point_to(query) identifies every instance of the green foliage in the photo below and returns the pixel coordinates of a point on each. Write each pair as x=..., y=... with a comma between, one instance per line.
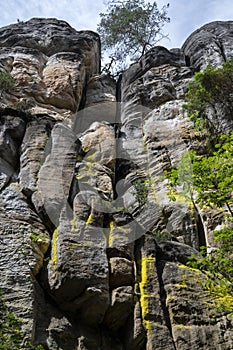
x=219, y=269
x=130, y=27
x=24, y=105
x=209, y=177
x=219, y=261
x=141, y=190
x=210, y=99
x=213, y=175
x=162, y=235
x=11, y=334
x=35, y=238
x=7, y=82
x=181, y=177
x=209, y=182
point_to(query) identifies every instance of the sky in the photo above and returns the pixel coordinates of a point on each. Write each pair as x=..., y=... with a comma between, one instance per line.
x=186, y=16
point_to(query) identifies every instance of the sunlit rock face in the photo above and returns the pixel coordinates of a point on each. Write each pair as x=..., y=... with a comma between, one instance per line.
x=50, y=62
x=93, y=251
x=210, y=44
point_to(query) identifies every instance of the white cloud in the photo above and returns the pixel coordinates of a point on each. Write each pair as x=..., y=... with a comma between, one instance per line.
x=187, y=16
x=78, y=13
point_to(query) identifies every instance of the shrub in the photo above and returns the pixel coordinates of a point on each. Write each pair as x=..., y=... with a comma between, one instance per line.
x=7, y=82
x=11, y=334
x=210, y=100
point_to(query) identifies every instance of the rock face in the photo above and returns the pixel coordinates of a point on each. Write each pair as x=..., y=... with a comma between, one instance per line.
x=93, y=252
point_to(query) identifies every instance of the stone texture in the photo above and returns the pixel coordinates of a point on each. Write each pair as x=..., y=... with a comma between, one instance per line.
x=210, y=44
x=91, y=247
x=11, y=134
x=154, y=313
x=120, y=307
x=193, y=320
x=50, y=62
x=121, y=272
x=24, y=242
x=32, y=152
x=60, y=158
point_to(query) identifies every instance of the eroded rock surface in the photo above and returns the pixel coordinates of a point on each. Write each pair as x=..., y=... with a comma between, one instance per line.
x=93, y=252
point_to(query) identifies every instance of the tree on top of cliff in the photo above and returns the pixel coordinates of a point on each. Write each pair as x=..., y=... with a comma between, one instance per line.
x=130, y=28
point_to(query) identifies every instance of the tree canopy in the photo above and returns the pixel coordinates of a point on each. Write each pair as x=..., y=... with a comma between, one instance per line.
x=130, y=28
x=210, y=100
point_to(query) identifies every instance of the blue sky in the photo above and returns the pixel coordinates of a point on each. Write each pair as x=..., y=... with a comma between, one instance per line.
x=186, y=16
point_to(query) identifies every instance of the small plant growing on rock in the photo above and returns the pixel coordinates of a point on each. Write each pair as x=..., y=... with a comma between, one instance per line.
x=7, y=82
x=141, y=190
x=11, y=334
x=24, y=105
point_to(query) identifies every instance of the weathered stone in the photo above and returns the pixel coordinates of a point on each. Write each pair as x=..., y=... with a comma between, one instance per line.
x=134, y=333
x=32, y=153
x=78, y=271
x=100, y=89
x=154, y=314
x=174, y=251
x=24, y=241
x=100, y=103
x=113, y=278
x=210, y=44
x=120, y=307
x=121, y=272
x=12, y=130
x=56, y=174
x=50, y=62
x=84, y=287
x=193, y=309
x=155, y=57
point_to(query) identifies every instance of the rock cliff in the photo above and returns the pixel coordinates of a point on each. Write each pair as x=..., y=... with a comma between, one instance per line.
x=92, y=250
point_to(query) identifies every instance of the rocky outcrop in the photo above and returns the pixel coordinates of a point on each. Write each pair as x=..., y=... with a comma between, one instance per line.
x=50, y=63
x=93, y=252
x=211, y=44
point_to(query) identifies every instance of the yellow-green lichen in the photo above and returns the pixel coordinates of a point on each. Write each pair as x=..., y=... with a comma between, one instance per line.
x=85, y=243
x=147, y=268
x=222, y=299
x=224, y=303
x=86, y=149
x=111, y=228
x=89, y=219
x=74, y=224
x=90, y=157
x=117, y=234
x=54, y=251
x=182, y=326
x=196, y=271
x=183, y=283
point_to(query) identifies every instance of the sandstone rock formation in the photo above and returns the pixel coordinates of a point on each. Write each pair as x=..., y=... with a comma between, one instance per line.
x=92, y=251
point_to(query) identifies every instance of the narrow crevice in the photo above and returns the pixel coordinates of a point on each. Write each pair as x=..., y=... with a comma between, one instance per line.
x=200, y=229
x=221, y=48
x=187, y=61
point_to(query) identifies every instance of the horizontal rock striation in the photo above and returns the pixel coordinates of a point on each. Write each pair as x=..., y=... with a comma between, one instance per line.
x=93, y=252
